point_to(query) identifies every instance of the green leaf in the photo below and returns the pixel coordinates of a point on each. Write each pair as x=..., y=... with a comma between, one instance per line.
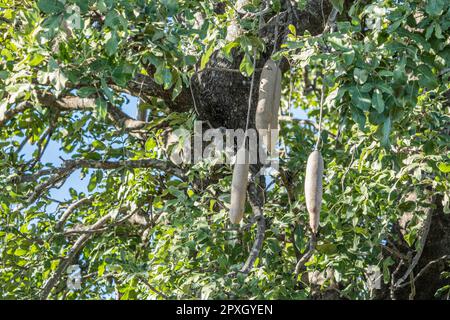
x=429, y=31
x=246, y=66
x=101, y=108
x=360, y=75
x=384, y=88
x=177, y=88
x=50, y=6
x=327, y=248
x=348, y=56
x=112, y=20
x=190, y=60
x=37, y=59
x=101, y=6
x=112, y=44
x=338, y=4
x=20, y=252
x=377, y=101
x=426, y=77
x=386, y=131
x=438, y=31
x=59, y=80
x=4, y=75
x=435, y=7
x=399, y=72
x=150, y=144
x=122, y=74
x=386, y=272
x=376, y=118
x=359, y=99
x=85, y=92
x=163, y=76
x=444, y=167
x=292, y=30
x=206, y=56
x=359, y=117
x=97, y=144
x=171, y=6
x=106, y=90
x=344, y=26
x=227, y=50
x=92, y=183
x=167, y=78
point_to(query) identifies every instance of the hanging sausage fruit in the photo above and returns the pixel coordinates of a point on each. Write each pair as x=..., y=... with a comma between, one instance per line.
x=268, y=104
x=313, y=188
x=239, y=185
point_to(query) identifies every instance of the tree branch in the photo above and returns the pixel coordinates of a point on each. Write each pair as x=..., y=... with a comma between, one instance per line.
x=424, y=269
x=59, y=174
x=146, y=85
x=120, y=119
x=60, y=224
x=76, y=248
x=152, y=288
x=256, y=200
x=423, y=240
x=307, y=255
x=6, y=115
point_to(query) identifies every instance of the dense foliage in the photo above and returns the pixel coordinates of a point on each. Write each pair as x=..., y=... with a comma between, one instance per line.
x=66, y=67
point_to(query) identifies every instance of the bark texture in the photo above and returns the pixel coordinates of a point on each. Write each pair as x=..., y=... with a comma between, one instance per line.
x=222, y=95
x=426, y=277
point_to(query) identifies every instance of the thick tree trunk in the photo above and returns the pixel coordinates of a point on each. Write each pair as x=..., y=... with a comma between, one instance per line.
x=222, y=95
x=433, y=261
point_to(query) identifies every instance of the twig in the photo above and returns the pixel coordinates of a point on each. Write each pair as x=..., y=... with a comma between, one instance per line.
x=260, y=13
x=307, y=255
x=59, y=174
x=252, y=83
x=195, y=106
x=70, y=210
x=331, y=22
x=322, y=98
x=392, y=286
x=331, y=19
x=424, y=269
x=222, y=69
x=90, y=231
x=152, y=288
x=66, y=261
x=413, y=286
x=292, y=10
x=9, y=114
x=255, y=202
x=287, y=185
x=23, y=144
x=276, y=34
x=43, y=142
x=423, y=239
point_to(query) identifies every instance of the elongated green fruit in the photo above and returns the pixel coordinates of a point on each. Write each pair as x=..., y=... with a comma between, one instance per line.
x=239, y=186
x=313, y=188
x=268, y=102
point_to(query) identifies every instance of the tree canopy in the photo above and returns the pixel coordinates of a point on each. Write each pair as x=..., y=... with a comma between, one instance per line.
x=107, y=81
